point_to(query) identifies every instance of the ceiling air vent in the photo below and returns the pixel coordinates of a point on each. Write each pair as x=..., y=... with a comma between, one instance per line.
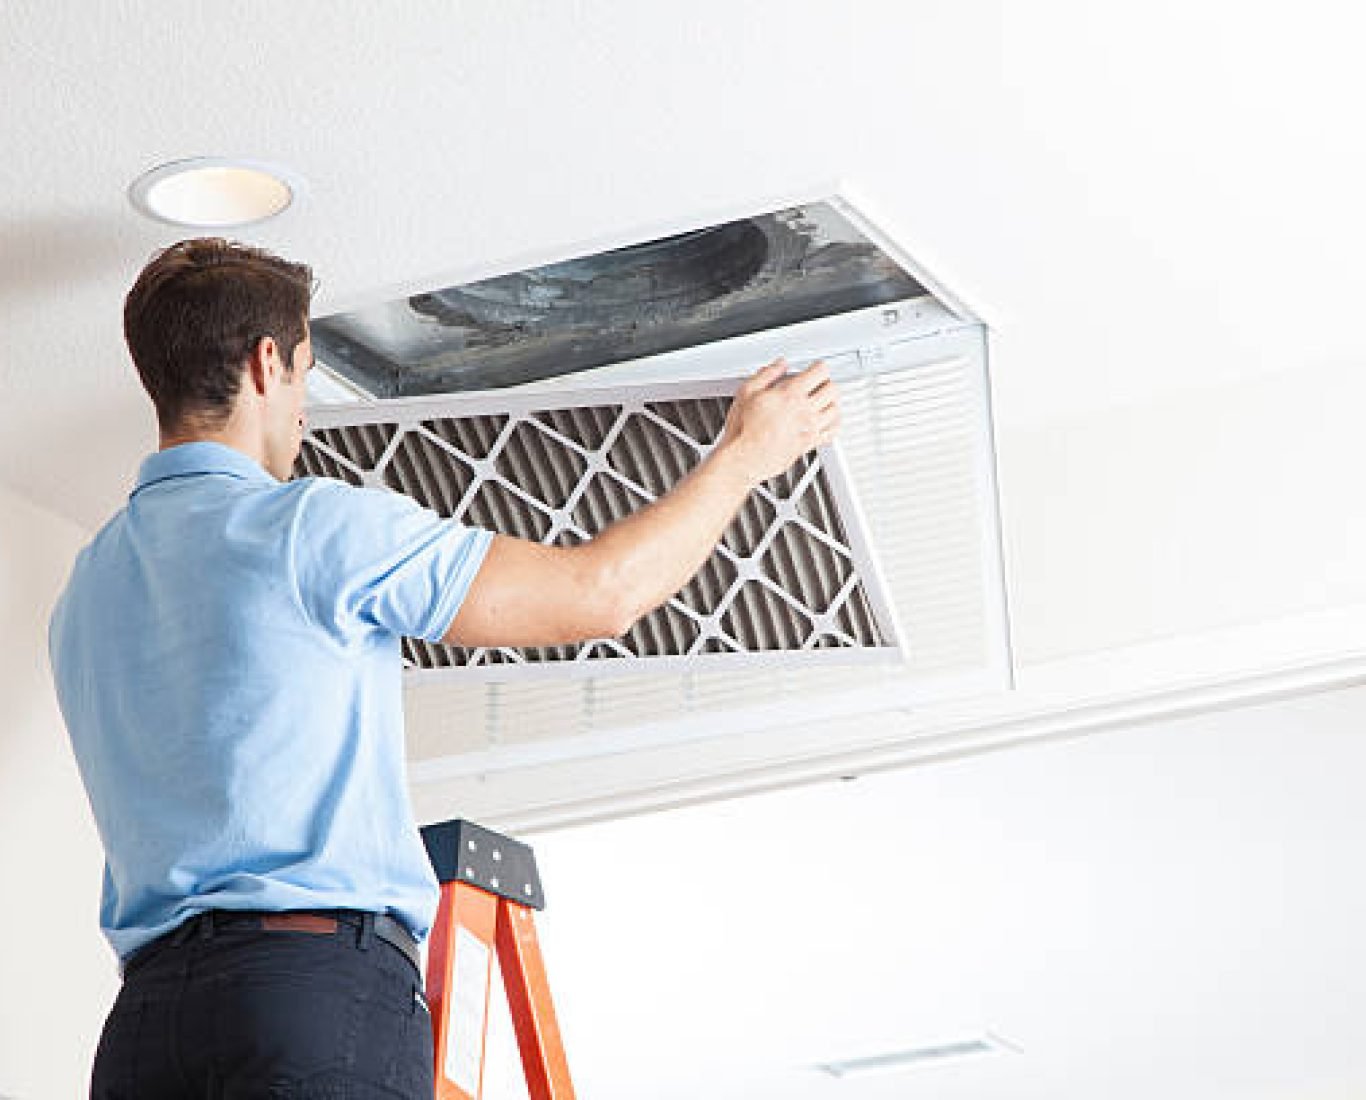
x=915, y=1057
x=794, y=573
x=548, y=400
x=688, y=289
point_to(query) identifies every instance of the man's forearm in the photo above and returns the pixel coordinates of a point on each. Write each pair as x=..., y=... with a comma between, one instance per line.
x=526, y=593
x=652, y=553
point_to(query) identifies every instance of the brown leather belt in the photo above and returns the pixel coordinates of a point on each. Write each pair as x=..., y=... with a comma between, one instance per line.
x=321, y=923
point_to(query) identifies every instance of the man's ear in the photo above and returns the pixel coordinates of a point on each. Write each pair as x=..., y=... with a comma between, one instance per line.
x=262, y=363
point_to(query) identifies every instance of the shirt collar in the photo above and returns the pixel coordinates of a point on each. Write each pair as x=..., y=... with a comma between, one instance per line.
x=190, y=459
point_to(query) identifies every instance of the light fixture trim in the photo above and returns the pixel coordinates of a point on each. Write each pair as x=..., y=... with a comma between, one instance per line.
x=215, y=192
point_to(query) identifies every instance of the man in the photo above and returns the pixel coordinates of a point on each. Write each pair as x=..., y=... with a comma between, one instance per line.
x=227, y=660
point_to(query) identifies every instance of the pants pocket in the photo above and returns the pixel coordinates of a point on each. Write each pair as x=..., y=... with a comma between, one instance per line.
x=274, y=1034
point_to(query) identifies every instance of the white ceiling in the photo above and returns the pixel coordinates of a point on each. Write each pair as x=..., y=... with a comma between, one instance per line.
x=1147, y=204
x=1157, y=210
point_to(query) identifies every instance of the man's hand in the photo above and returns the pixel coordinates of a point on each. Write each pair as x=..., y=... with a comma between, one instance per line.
x=526, y=593
x=777, y=417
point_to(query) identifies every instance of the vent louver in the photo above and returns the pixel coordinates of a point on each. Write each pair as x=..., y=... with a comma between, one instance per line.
x=793, y=574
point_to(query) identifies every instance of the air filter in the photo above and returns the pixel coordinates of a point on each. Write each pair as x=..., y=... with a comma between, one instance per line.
x=793, y=579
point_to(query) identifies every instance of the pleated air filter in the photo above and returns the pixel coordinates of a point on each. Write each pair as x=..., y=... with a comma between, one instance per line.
x=793, y=579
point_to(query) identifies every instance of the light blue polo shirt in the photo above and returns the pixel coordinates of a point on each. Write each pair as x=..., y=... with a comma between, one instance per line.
x=226, y=655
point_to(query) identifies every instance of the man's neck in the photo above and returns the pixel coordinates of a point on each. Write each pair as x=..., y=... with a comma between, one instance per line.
x=229, y=435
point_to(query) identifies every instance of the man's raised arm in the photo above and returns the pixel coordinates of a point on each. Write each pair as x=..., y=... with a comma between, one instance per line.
x=526, y=593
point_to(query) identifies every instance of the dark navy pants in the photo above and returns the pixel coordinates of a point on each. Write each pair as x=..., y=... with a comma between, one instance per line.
x=231, y=1012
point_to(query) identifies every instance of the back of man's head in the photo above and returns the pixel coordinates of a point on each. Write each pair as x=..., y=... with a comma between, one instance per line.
x=197, y=312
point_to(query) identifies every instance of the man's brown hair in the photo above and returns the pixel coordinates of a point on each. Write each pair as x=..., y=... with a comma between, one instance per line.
x=198, y=310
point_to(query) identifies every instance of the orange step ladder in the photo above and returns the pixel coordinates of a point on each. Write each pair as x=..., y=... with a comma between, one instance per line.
x=489, y=889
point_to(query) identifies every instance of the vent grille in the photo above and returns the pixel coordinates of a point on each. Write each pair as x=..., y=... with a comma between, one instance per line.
x=790, y=577
x=895, y=1060
x=913, y=440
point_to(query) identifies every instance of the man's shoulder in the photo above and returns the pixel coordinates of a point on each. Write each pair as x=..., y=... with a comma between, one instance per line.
x=97, y=568
x=323, y=497
x=327, y=512
x=110, y=534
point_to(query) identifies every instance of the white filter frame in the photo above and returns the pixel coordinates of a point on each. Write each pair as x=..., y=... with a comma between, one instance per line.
x=518, y=406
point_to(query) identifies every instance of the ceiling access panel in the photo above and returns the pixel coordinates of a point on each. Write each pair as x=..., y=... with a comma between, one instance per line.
x=865, y=583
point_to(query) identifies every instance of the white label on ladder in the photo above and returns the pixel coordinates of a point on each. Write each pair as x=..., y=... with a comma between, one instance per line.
x=468, y=1004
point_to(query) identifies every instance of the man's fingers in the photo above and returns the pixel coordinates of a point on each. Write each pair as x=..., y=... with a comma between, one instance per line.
x=823, y=393
x=795, y=414
x=765, y=376
x=812, y=378
x=824, y=397
x=807, y=381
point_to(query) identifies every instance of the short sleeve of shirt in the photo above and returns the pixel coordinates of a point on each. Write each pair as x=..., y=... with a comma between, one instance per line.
x=369, y=558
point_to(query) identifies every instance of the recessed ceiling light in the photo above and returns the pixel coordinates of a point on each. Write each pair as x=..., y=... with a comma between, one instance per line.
x=214, y=192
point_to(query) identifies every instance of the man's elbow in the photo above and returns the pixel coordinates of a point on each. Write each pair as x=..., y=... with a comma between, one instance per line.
x=612, y=605
x=615, y=615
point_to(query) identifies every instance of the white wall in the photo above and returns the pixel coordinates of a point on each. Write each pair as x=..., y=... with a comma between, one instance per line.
x=57, y=974
x=1166, y=910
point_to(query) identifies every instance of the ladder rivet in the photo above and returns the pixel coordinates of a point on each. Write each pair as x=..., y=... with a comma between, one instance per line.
x=497, y=855
x=494, y=883
x=469, y=871
x=473, y=847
